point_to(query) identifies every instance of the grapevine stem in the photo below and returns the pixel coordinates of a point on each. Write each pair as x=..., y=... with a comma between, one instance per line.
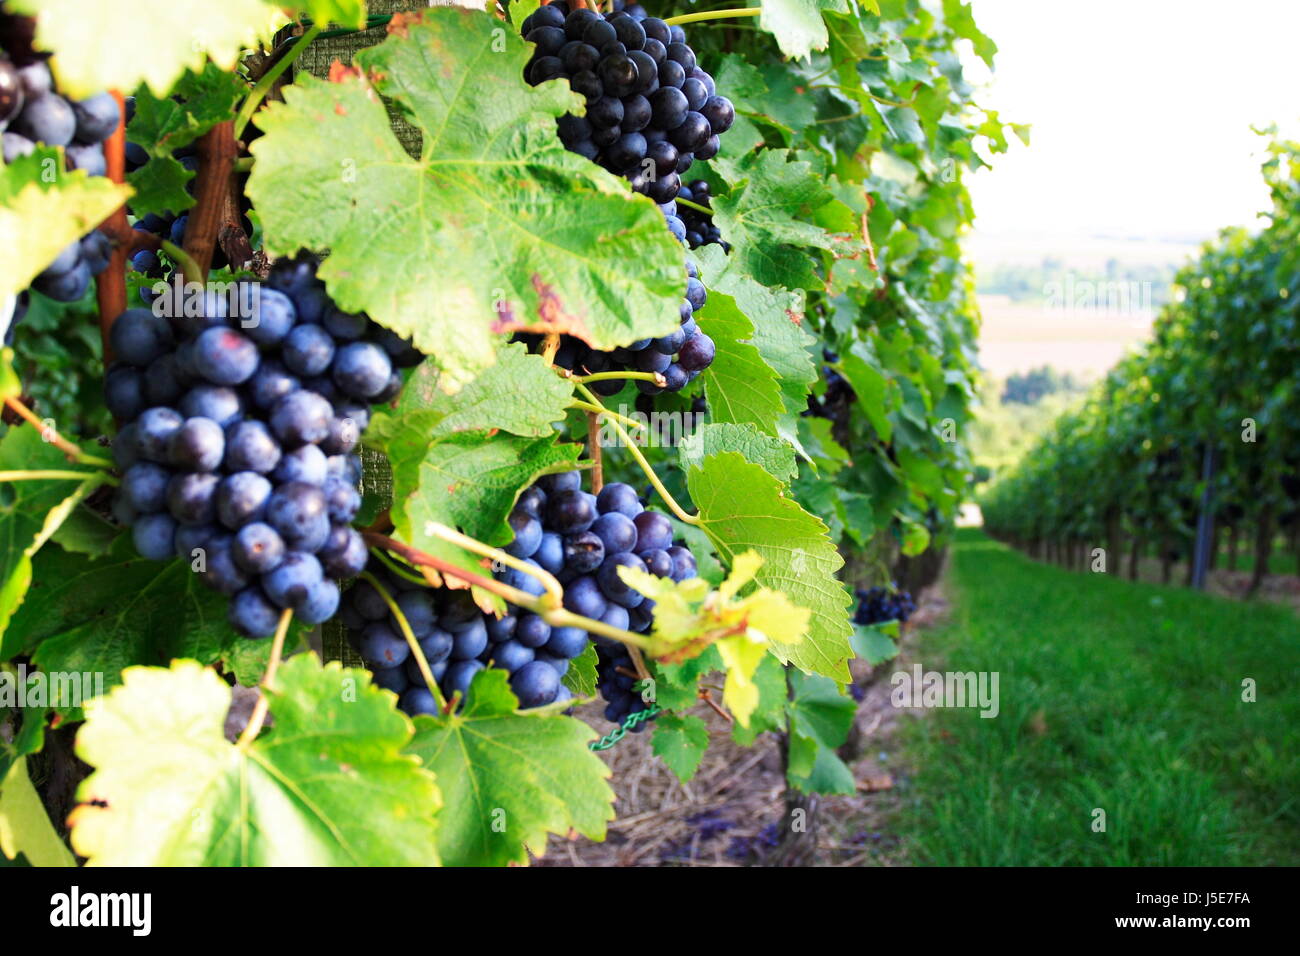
x=258, y=92
x=635, y=452
x=421, y=661
x=693, y=205
x=656, y=377
x=244, y=164
x=51, y=475
x=555, y=616
x=74, y=453
x=110, y=285
x=593, y=452
x=602, y=410
x=189, y=267
x=553, y=588
x=397, y=569
x=258, y=717
x=732, y=13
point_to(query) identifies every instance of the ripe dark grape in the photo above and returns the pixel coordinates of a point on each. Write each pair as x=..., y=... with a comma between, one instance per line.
x=880, y=604
x=450, y=627
x=246, y=464
x=647, y=99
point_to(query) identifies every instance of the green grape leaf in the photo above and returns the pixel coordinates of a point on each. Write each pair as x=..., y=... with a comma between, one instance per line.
x=740, y=386
x=960, y=19
x=775, y=455
x=816, y=768
x=520, y=394
x=160, y=188
x=875, y=643
x=100, y=49
x=521, y=10
x=200, y=101
x=85, y=532
x=680, y=741
x=581, y=676
x=820, y=718
x=744, y=508
x=329, y=785
x=777, y=316
x=797, y=24
x=764, y=217
x=43, y=208
x=102, y=615
x=676, y=686
x=496, y=227
x=509, y=778
x=470, y=481
x=25, y=827
x=30, y=512
x=346, y=13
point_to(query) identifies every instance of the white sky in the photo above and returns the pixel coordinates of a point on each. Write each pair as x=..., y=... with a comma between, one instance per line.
x=1141, y=113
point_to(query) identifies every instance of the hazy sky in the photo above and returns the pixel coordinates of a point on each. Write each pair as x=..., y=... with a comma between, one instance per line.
x=1141, y=113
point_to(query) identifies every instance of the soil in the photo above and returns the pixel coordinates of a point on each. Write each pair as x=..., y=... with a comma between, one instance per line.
x=730, y=813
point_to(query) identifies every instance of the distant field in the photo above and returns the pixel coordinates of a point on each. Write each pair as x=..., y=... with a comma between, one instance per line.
x=1017, y=337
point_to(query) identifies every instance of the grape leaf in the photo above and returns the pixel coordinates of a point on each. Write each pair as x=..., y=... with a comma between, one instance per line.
x=99, y=47
x=676, y=686
x=581, y=675
x=328, y=786
x=961, y=20
x=521, y=10
x=520, y=394
x=874, y=643
x=30, y=512
x=820, y=718
x=199, y=102
x=495, y=227
x=777, y=316
x=740, y=386
x=764, y=217
x=770, y=714
x=25, y=827
x=744, y=508
x=775, y=455
x=690, y=618
x=85, y=532
x=680, y=742
x=160, y=187
x=101, y=615
x=510, y=778
x=43, y=207
x=470, y=481
x=797, y=24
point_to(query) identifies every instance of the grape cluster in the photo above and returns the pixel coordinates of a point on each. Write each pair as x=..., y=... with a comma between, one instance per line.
x=33, y=113
x=651, y=112
x=700, y=230
x=579, y=538
x=839, y=394
x=883, y=604
x=240, y=425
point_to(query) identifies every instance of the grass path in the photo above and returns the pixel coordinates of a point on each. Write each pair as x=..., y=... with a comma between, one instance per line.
x=1114, y=695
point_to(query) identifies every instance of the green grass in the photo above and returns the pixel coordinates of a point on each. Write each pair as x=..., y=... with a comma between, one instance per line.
x=1114, y=695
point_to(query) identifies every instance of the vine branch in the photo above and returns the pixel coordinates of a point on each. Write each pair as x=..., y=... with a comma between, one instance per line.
x=258, y=717
x=49, y=434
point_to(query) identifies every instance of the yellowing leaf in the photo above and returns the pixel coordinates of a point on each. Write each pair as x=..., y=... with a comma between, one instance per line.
x=42, y=209
x=100, y=46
